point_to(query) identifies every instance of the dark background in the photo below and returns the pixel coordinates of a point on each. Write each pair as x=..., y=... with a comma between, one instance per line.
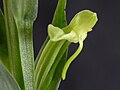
x=98, y=66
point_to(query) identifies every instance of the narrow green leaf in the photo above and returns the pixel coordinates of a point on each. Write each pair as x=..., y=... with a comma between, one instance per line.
x=52, y=79
x=56, y=78
x=7, y=82
x=59, y=19
x=46, y=61
x=24, y=20
x=20, y=15
x=24, y=16
x=24, y=10
x=13, y=44
x=3, y=42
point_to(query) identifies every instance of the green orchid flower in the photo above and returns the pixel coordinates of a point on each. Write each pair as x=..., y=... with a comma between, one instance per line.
x=75, y=32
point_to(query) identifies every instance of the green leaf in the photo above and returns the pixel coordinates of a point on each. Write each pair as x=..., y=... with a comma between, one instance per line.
x=56, y=78
x=59, y=19
x=24, y=10
x=20, y=16
x=52, y=80
x=13, y=44
x=7, y=82
x=45, y=62
x=3, y=42
x=24, y=18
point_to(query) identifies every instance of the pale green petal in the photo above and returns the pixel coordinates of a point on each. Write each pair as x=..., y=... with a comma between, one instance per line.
x=83, y=21
x=72, y=37
x=55, y=33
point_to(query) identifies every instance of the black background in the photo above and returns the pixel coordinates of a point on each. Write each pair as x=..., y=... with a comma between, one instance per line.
x=98, y=66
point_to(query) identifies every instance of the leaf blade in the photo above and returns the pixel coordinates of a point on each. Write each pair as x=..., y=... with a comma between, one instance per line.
x=19, y=19
x=24, y=16
x=60, y=21
x=13, y=44
x=3, y=42
x=7, y=82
